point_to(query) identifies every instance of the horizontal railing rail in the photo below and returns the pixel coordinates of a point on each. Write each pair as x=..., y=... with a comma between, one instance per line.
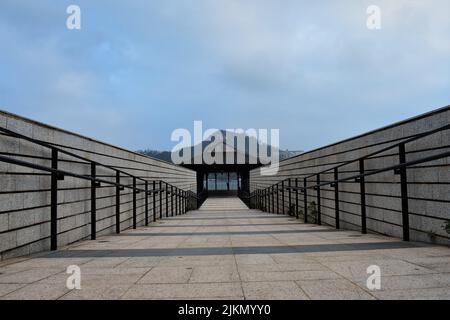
x=267, y=199
x=181, y=201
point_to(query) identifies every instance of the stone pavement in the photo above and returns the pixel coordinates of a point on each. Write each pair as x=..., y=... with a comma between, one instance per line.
x=225, y=251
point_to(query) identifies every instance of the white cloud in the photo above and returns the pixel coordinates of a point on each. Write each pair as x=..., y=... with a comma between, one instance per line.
x=303, y=62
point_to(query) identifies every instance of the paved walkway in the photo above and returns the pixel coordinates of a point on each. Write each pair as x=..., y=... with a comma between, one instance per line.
x=233, y=253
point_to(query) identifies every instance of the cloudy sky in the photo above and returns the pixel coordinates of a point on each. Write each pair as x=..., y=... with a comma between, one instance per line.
x=137, y=70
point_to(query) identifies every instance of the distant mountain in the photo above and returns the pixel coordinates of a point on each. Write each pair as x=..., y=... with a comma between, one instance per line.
x=161, y=155
x=284, y=154
x=166, y=155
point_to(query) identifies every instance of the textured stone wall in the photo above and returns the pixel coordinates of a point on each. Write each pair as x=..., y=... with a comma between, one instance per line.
x=25, y=193
x=428, y=183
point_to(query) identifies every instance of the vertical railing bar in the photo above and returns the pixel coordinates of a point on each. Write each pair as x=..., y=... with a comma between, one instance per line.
x=404, y=192
x=261, y=199
x=336, y=198
x=305, y=200
x=278, y=199
x=257, y=198
x=183, y=204
x=117, y=202
x=259, y=192
x=93, y=202
x=171, y=200
x=179, y=202
x=319, y=209
x=54, y=202
x=266, y=196
x=289, y=196
x=176, y=201
x=362, y=192
x=167, y=199
x=265, y=200
x=296, y=198
x=146, y=203
x=154, y=197
x=160, y=199
x=134, y=202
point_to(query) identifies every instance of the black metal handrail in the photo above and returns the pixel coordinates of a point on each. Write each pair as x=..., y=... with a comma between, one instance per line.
x=264, y=197
x=183, y=201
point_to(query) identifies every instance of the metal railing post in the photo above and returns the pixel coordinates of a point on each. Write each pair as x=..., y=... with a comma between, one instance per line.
x=93, y=203
x=305, y=200
x=362, y=192
x=188, y=201
x=404, y=192
x=134, y=202
x=296, y=198
x=146, y=203
x=272, y=192
x=54, y=202
x=154, y=198
x=336, y=198
x=166, y=189
x=171, y=200
x=282, y=197
x=182, y=202
x=160, y=199
x=179, y=202
x=257, y=198
x=262, y=199
x=289, y=196
x=176, y=201
x=278, y=200
x=154, y=209
x=266, y=196
x=319, y=213
x=178, y=197
x=265, y=200
x=117, y=202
